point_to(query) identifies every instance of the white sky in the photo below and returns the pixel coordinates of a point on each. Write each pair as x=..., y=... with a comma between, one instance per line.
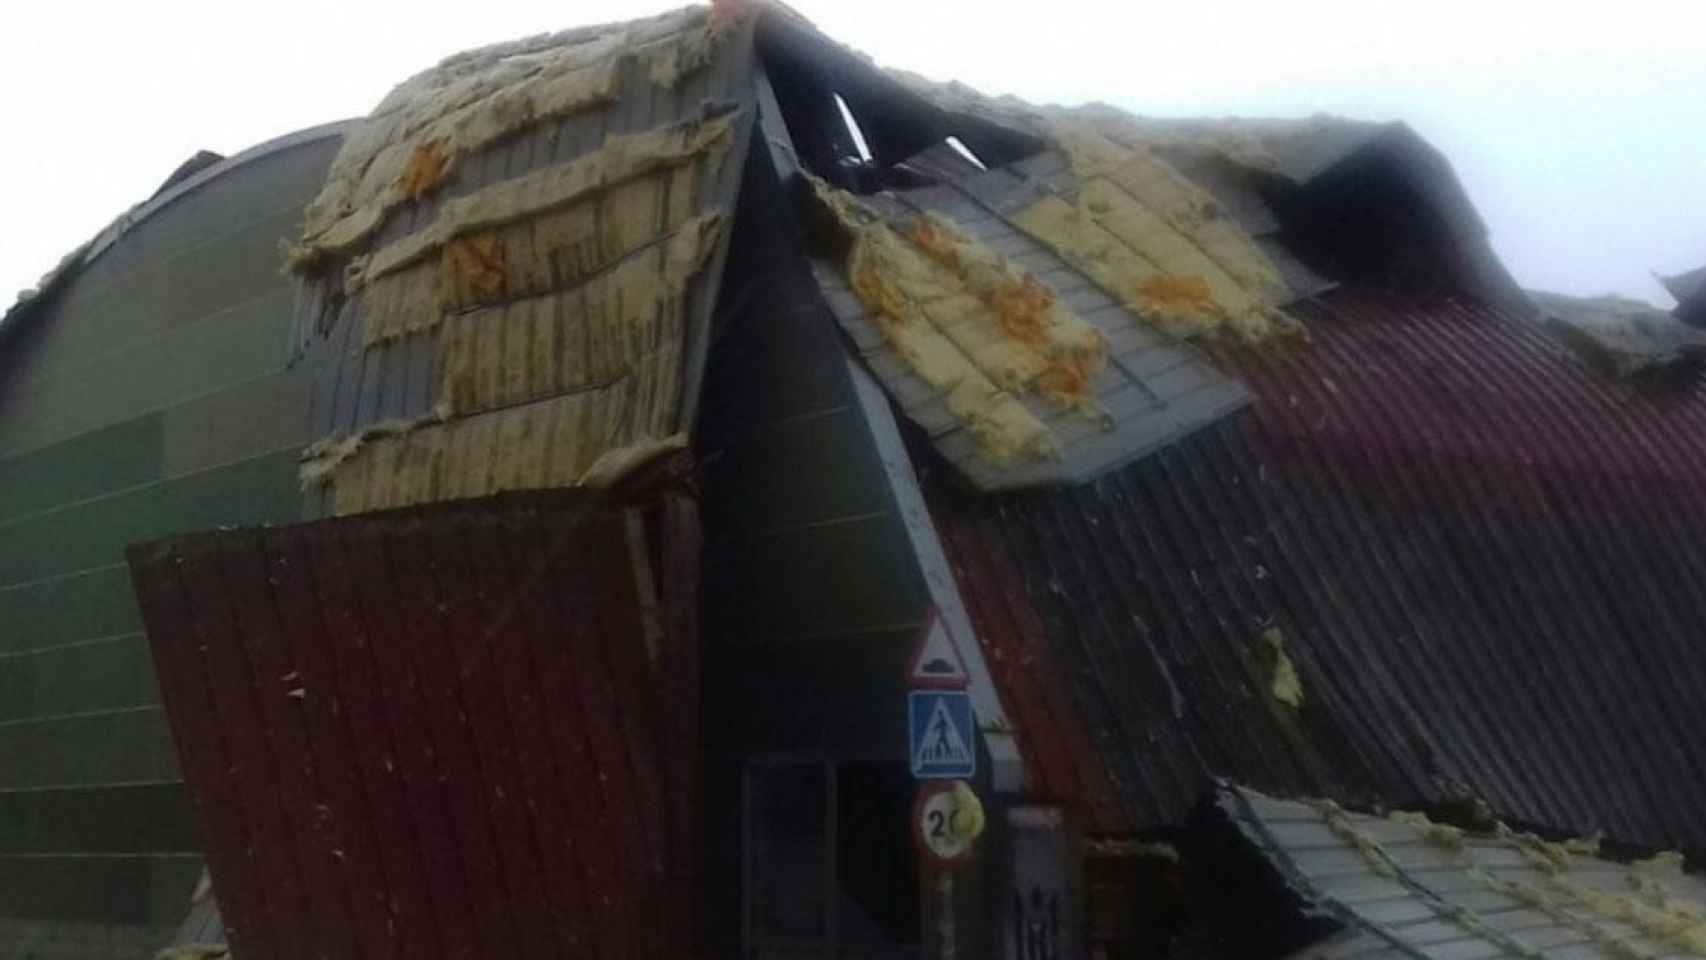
x=1581, y=136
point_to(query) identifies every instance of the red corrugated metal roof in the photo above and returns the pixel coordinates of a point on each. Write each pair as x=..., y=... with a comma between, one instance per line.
x=1485, y=559
x=437, y=732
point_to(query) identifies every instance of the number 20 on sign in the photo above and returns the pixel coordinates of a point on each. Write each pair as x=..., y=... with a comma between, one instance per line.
x=947, y=819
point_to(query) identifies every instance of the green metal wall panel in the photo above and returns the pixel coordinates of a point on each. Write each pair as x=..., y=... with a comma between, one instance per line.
x=149, y=396
x=133, y=746
x=94, y=533
x=83, y=606
x=108, y=674
x=220, y=351
x=141, y=818
x=119, y=456
x=129, y=890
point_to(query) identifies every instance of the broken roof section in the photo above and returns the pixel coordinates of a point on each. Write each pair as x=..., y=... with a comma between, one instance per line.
x=1406, y=887
x=1028, y=317
x=1689, y=289
x=1286, y=179
x=1623, y=336
x=1016, y=365
x=512, y=264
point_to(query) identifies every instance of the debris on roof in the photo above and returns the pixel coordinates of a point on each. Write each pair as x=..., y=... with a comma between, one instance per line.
x=1286, y=687
x=1406, y=887
x=1624, y=336
x=540, y=217
x=1689, y=289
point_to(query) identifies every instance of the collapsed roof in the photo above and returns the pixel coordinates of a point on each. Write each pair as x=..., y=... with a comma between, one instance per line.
x=1030, y=317
x=513, y=262
x=1624, y=336
x=1689, y=289
x=1404, y=886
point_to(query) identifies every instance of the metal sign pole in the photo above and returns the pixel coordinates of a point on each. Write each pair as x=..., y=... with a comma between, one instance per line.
x=947, y=949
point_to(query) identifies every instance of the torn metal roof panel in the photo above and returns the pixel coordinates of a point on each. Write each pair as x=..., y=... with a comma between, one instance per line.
x=488, y=327
x=1406, y=887
x=1149, y=402
x=1623, y=335
x=1687, y=286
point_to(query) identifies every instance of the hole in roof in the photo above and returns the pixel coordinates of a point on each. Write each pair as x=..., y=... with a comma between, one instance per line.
x=853, y=130
x=965, y=151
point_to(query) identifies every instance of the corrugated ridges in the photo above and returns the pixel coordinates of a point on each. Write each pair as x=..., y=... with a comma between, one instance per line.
x=431, y=732
x=1485, y=560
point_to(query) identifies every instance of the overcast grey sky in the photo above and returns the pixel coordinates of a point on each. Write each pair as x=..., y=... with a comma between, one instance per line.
x=1581, y=135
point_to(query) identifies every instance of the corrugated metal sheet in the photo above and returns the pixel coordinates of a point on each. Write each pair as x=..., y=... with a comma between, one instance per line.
x=357, y=387
x=1406, y=890
x=1155, y=389
x=458, y=731
x=1484, y=559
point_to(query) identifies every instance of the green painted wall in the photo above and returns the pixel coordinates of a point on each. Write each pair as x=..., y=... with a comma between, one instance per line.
x=148, y=397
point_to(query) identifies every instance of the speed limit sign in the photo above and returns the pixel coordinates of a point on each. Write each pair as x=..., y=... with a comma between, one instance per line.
x=946, y=821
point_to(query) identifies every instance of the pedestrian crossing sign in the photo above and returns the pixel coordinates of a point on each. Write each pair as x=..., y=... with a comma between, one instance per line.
x=943, y=739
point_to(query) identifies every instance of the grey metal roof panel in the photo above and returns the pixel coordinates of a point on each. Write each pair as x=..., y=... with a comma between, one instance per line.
x=1403, y=890
x=1156, y=391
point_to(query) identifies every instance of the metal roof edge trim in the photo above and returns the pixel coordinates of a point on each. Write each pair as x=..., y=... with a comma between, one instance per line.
x=938, y=573
x=82, y=256
x=106, y=238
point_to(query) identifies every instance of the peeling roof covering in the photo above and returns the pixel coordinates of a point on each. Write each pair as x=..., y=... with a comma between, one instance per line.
x=1407, y=888
x=1689, y=289
x=511, y=267
x=1318, y=162
x=1628, y=336
x=1051, y=379
x=1686, y=286
x=1481, y=557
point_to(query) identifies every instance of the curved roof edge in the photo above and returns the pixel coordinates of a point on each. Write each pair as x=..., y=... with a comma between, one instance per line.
x=81, y=256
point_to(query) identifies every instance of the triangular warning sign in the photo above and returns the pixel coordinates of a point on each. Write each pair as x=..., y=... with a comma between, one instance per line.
x=937, y=663
x=942, y=744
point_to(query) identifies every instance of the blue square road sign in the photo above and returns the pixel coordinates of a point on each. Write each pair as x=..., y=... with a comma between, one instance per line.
x=943, y=738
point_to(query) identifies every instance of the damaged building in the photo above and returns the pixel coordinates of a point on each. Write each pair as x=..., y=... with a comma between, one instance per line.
x=534, y=566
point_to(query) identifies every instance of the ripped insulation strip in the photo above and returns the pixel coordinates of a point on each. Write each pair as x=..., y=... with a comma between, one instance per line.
x=415, y=139
x=973, y=326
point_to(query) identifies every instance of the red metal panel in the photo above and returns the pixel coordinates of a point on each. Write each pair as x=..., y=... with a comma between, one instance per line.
x=439, y=732
x=1487, y=560
x=202, y=752
x=239, y=702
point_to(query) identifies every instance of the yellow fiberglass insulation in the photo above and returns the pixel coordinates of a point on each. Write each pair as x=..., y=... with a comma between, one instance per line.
x=1142, y=231
x=1067, y=352
x=413, y=141
x=973, y=324
x=1153, y=265
x=895, y=283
